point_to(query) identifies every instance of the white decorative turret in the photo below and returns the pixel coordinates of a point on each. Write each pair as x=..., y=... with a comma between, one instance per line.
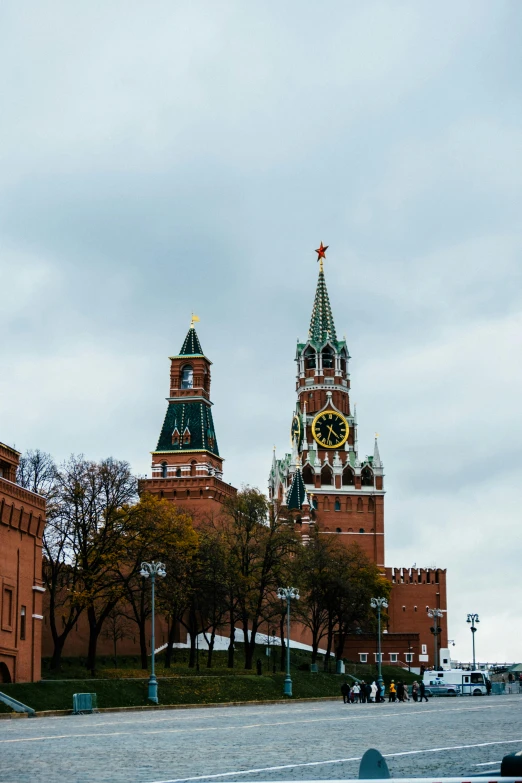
x=376, y=456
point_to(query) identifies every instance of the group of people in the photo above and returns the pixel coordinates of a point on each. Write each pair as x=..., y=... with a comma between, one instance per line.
x=366, y=693
x=362, y=692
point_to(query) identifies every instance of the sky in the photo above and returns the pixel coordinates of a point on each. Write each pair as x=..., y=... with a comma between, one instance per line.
x=164, y=158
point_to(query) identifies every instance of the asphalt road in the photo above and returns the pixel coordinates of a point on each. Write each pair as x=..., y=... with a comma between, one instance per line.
x=302, y=741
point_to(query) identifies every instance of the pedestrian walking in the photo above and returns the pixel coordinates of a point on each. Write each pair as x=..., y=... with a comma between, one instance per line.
x=363, y=692
x=382, y=691
x=392, y=691
x=356, y=692
x=488, y=686
x=400, y=691
x=368, y=688
x=415, y=690
x=345, y=690
x=422, y=692
x=373, y=692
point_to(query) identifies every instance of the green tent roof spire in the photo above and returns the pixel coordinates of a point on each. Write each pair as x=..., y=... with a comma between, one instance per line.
x=191, y=346
x=322, y=327
x=297, y=492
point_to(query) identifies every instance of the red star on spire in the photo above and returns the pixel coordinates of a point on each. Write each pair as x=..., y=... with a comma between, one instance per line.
x=321, y=251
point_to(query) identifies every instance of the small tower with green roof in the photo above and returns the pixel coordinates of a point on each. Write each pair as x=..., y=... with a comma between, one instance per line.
x=186, y=464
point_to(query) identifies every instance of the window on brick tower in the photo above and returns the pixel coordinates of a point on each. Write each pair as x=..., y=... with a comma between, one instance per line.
x=328, y=357
x=193, y=467
x=343, y=361
x=367, y=477
x=337, y=506
x=371, y=504
x=187, y=377
x=349, y=505
x=359, y=504
x=310, y=362
x=308, y=475
x=326, y=476
x=348, y=477
x=178, y=473
x=163, y=470
x=22, y=622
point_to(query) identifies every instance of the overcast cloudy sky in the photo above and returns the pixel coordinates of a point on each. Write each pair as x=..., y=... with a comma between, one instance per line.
x=163, y=157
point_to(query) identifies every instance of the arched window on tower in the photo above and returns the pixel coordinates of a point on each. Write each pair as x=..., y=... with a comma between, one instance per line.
x=371, y=504
x=337, y=506
x=308, y=475
x=359, y=504
x=328, y=357
x=367, y=477
x=178, y=473
x=310, y=361
x=343, y=361
x=187, y=377
x=193, y=467
x=163, y=470
x=348, y=477
x=326, y=476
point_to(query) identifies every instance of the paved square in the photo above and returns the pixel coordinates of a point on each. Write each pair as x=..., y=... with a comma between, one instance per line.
x=318, y=740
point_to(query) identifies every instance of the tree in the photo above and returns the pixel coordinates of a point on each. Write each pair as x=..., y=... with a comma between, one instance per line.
x=98, y=518
x=162, y=533
x=358, y=580
x=38, y=472
x=315, y=567
x=117, y=627
x=260, y=543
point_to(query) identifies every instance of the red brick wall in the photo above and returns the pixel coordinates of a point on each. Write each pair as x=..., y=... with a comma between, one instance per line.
x=412, y=591
x=22, y=521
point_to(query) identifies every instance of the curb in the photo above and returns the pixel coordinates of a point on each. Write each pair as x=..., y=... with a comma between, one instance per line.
x=153, y=707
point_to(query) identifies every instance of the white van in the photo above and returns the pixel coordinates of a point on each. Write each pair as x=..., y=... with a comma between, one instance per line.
x=455, y=682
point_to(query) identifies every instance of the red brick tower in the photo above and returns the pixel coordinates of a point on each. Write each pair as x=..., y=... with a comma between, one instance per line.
x=348, y=494
x=186, y=465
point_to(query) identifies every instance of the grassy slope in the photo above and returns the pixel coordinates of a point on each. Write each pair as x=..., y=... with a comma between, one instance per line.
x=57, y=695
x=126, y=686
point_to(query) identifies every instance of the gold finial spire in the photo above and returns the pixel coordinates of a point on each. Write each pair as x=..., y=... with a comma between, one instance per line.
x=193, y=320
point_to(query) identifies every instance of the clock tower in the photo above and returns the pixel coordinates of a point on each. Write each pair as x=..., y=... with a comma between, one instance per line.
x=345, y=489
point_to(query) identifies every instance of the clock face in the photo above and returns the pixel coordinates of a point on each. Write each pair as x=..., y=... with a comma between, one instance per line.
x=295, y=432
x=330, y=429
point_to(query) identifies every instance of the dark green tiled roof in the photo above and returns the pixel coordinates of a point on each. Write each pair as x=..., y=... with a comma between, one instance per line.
x=191, y=346
x=322, y=327
x=195, y=415
x=297, y=492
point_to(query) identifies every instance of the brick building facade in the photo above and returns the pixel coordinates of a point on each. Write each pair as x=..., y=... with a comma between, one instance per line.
x=22, y=522
x=342, y=490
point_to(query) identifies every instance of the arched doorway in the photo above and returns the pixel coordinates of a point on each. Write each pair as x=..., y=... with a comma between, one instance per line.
x=5, y=674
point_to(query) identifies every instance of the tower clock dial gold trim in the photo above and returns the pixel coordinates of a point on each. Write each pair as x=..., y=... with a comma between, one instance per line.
x=330, y=429
x=295, y=430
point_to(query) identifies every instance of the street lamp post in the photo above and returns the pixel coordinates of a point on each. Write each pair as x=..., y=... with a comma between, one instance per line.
x=287, y=593
x=152, y=570
x=472, y=620
x=379, y=603
x=436, y=629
